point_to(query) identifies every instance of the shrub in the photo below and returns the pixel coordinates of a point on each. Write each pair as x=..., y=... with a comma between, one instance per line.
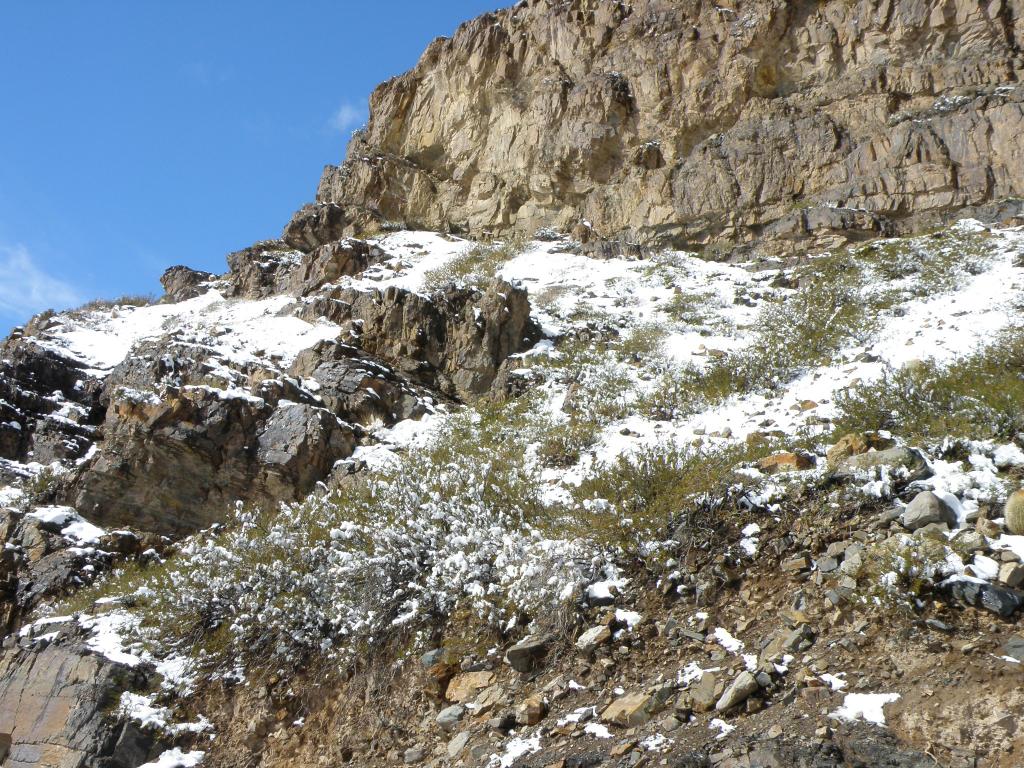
x=448, y=529
x=480, y=262
x=977, y=397
x=636, y=502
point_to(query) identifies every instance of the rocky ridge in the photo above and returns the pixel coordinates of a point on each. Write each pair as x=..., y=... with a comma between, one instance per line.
x=762, y=124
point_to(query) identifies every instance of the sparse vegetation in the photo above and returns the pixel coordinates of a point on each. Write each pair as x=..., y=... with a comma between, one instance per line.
x=481, y=262
x=100, y=305
x=980, y=396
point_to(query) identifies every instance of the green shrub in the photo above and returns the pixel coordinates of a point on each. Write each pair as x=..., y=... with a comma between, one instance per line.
x=479, y=263
x=976, y=397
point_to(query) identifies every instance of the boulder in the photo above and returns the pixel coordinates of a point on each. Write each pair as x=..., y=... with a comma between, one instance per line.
x=702, y=694
x=455, y=340
x=181, y=283
x=466, y=686
x=742, y=688
x=631, y=710
x=785, y=462
x=907, y=463
x=449, y=717
x=593, y=638
x=315, y=225
x=927, y=508
x=856, y=443
x=55, y=709
x=998, y=600
x=525, y=655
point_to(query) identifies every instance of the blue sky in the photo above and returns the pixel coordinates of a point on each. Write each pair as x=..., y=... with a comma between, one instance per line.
x=139, y=134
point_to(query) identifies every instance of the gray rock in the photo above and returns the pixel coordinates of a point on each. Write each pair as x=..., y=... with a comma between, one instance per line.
x=909, y=462
x=524, y=655
x=449, y=717
x=999, y=600
x=744, y=686
x=432, y=657
x=1014, y=647
x=927, y=508
x=413, y=755
x=458, y=744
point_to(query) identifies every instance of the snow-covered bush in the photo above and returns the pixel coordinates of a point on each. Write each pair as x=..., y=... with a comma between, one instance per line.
x=378, y=559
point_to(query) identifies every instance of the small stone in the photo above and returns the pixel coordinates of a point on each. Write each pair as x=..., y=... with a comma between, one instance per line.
x=630, y=710
x=669, y=724
x=449, y=717
x=531, y=711
x=458, y=744
x=799, y=563
x=593, y=638
x=828, y=564
x=413, y=755
x=1011, y=574
x=524, y=655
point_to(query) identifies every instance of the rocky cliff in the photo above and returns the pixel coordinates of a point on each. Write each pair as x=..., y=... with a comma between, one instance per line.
x=696, y=124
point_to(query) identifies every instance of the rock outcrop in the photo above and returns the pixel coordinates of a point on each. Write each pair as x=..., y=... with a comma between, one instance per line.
x=55, y=705
x=692, y=123
x=49, y=405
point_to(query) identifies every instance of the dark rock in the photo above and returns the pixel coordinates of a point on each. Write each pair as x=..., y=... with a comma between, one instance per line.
x=454, y=340
x=999, y=600
x=315, y=225
x=182, y=283
x=524, y=655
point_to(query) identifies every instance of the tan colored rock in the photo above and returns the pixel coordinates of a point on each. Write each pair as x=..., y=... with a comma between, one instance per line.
x=593, y=638
x=630, y=710
x=856, y=443
x=1011, y=574
x=466, y=686
x=531, y=711
x=54, y=710
x=702, y=694
x=1014, y=512
x=776, y=121
x=785, y=462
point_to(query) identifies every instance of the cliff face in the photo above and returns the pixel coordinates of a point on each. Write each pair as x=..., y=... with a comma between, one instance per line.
x=696, y=123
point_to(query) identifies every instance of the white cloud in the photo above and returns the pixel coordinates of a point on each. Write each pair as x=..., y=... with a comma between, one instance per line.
x=348, y=116
x=26, y=289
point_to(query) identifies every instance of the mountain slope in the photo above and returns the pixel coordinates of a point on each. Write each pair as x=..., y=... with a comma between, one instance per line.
x=573, y=495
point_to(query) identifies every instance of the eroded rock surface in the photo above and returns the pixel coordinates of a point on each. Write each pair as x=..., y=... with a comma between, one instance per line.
x=692, y=123
x=55, y=705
